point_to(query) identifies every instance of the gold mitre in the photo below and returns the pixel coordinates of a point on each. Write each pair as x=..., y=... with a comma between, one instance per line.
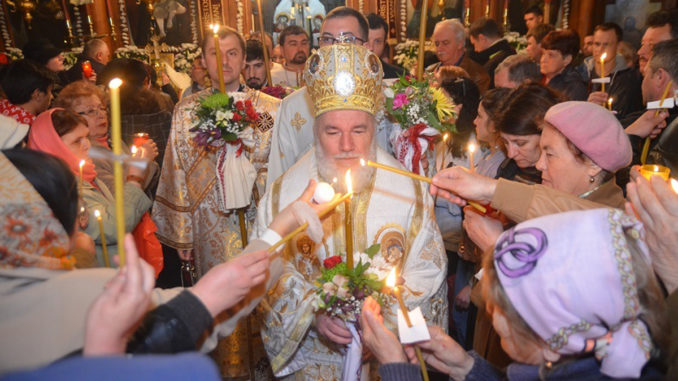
x=344, y=77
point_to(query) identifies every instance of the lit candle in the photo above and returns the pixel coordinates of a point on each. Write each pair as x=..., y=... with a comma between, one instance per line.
x=102, y=236
x=116, y=136
x=446, y=136
x=391, y=283
x=602, y=70
x=649, y=170
x=348, y=222
x=674, y=185
x=133, y=149
x=80, y=165
x=471, y=150
x=609, y=103
x=217, y=49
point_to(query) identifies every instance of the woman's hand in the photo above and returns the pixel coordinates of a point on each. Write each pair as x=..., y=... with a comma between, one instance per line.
x=148, y=150
x=444, y=354
x=379, y=340
x=116, y=312
x=226, y=284
x=656, y=206
x=457, y=184
x=483, y=231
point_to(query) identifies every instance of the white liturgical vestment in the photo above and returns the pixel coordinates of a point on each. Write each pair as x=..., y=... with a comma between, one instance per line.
x=393, y=211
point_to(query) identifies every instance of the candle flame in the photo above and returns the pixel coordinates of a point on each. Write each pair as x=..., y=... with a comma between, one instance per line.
x=133, y=149
x=82, y=209
x=349, y=183
x=609, y=101
x=334, y=180
x=446, y=136
x=391, y=279
x=115, y=83
x=471, y=147
x=82, y=163
x=674, y=185
x=603, y=57
x=363, y=162
x=97, y=214
x=215, y=28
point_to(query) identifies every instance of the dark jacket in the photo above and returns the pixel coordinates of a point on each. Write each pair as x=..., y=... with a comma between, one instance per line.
x=392, y=71
x=474, y=70
x=624, y=87
x=173, y=327
x=570, y=83
x=491, y=57
x=663, y=149
x=75, y=72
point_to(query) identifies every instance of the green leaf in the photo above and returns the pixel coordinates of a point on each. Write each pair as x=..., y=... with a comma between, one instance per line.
x=372, y=250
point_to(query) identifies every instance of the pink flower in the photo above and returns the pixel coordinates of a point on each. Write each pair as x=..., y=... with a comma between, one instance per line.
x=400, y=100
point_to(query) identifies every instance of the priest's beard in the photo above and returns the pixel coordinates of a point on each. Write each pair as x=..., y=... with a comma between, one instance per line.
x=328, y=170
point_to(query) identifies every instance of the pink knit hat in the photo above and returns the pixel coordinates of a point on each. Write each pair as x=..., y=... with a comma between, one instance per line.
x=595, y=131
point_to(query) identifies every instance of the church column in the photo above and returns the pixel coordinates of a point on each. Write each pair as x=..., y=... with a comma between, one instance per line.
x=98, y=13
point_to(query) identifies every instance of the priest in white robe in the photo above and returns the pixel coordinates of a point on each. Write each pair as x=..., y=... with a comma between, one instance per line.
x=344, y=82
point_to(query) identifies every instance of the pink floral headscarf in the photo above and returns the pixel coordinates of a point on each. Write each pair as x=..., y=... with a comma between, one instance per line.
x=31, y=236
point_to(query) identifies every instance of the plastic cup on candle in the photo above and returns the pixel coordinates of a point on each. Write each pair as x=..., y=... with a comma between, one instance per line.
x=649, y=170
x=323, y=193
x=140, y=138
x=87, y=68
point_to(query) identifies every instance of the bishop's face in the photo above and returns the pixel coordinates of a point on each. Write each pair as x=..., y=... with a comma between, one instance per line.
x=343, y=137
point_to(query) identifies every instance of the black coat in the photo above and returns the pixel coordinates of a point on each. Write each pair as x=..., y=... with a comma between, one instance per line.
x=624, y=89
x=570, y=83
x=392, y=71
x=491, y=57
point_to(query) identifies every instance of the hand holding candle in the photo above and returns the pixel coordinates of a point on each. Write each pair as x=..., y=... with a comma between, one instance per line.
x=391, y=283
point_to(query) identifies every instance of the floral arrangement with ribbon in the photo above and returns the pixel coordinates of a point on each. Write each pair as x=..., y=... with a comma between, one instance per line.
x=340, y=293
x=406, y=53
x=226, y=123
x=423, y=114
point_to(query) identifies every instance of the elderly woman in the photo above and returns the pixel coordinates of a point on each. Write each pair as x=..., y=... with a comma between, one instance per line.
x=605, y=321
x=519, y=128
x=88, y=101
x=45, y=296
x=65, y=135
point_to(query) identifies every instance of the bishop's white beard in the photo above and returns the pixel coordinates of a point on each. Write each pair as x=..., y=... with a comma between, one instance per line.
x=328, y=170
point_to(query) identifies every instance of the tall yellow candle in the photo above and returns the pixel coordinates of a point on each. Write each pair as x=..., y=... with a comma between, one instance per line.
x=217, y=49
x=348, y=222
x=391, y=282
x=116, y=137
x=102, y=236
x=602, y=70
x=81, y=164
x=422, y=40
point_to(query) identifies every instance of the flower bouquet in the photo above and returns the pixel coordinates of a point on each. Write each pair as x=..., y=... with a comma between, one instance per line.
x=423, y=114
x=226, y=123
x=340, y=293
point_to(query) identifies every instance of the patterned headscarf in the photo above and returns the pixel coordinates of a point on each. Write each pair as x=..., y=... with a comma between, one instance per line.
x=31, y=236
x=570, y=277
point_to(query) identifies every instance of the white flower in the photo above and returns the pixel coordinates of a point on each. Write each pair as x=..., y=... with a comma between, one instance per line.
x=388, y=92
x=330, y=288
x=221, y=115
x=340, y=280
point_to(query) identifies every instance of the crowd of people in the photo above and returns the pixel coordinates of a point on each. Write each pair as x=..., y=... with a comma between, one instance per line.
x=570, y=273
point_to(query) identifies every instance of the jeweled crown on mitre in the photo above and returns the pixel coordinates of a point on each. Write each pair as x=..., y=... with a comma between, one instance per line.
x=344, y=76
